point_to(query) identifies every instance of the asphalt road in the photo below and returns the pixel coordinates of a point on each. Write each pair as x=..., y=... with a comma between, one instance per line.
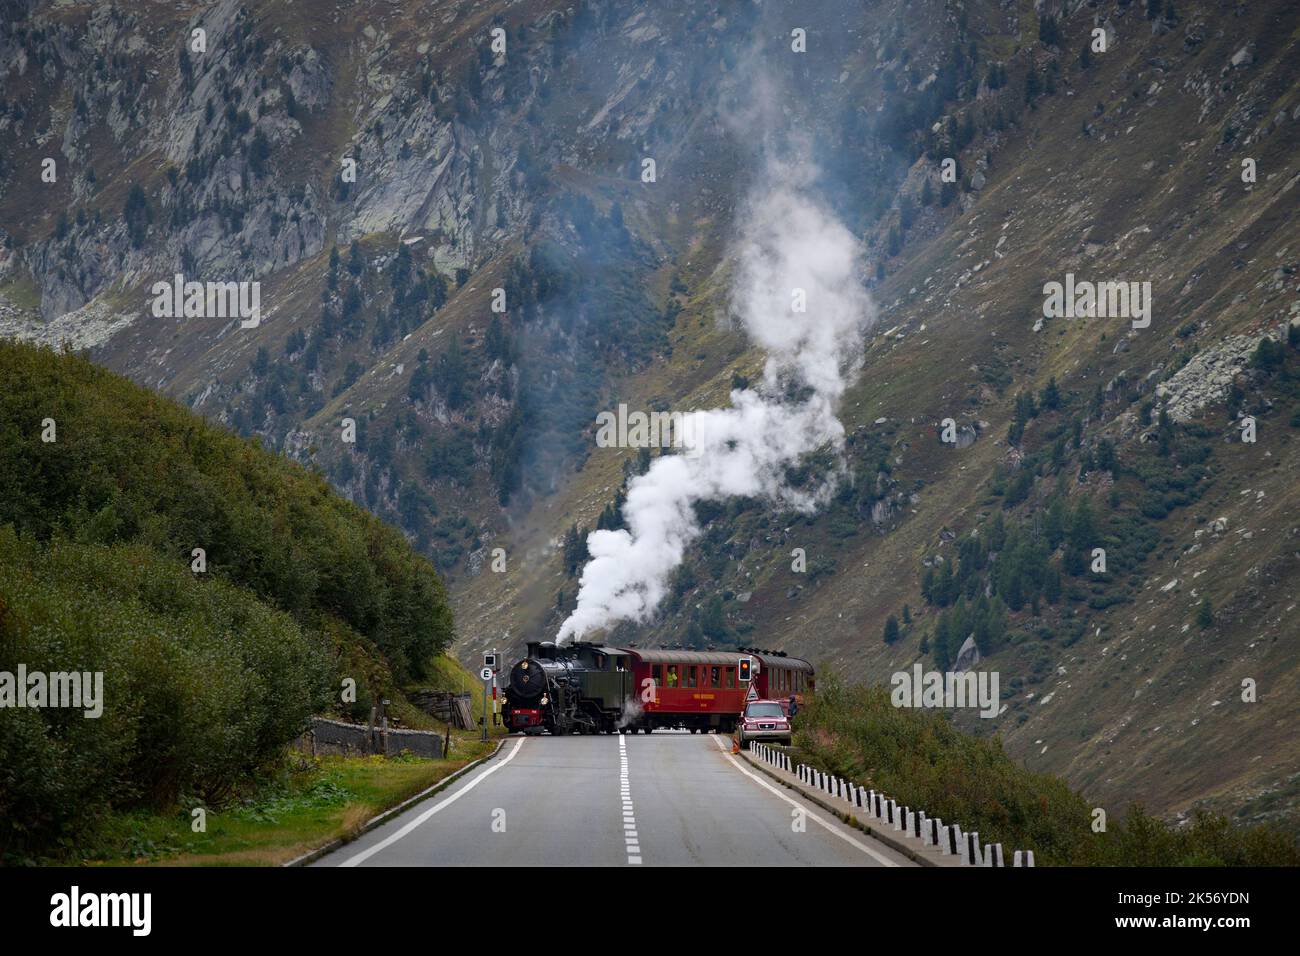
x=668, y=799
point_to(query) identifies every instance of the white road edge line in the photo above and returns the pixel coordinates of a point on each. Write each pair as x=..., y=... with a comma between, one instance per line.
x=883, y=860
x=406, y=830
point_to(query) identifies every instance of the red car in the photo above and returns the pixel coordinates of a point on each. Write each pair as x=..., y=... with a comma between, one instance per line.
x=765, y=721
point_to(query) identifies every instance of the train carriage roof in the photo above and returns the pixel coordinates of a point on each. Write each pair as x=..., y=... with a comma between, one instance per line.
x=788, y=663
x=657, y=655
x=660, y=656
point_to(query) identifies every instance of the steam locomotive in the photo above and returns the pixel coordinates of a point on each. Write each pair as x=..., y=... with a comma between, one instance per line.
x=579, y=689
x=591, y=688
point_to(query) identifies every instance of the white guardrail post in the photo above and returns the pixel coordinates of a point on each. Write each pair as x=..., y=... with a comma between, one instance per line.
x=949, y=839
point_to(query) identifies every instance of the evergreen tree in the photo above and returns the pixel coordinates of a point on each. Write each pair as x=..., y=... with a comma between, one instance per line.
x=1051, y=396
x=1032, y=86
x=892, y=631
x=1048, y=30
x=1205, y=614
x=712, y=622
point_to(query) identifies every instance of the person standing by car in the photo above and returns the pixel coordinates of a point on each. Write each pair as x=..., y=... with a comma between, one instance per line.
x=794, y=706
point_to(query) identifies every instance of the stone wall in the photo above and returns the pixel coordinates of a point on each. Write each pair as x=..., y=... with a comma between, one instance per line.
x=336, y=737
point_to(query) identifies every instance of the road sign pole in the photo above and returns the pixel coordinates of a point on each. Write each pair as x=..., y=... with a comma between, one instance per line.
x=487, y=675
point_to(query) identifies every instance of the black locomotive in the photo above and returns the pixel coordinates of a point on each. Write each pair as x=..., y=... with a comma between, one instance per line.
x=579, y=688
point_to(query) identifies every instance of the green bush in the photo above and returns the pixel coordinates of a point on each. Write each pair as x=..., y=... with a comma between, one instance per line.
x=203, y=684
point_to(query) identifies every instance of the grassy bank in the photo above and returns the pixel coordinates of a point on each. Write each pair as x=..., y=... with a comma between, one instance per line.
x=311, y=802
x=919, y=759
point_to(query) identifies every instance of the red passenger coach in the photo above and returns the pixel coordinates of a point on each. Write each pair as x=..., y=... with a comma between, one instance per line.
x=696, y=690
x=703, y=691
x=780, y=677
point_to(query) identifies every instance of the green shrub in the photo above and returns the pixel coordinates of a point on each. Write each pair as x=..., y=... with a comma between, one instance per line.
x=203, y=684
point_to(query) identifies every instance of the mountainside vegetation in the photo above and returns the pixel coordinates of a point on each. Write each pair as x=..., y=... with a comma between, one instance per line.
x=210, y=664
x=920, y=760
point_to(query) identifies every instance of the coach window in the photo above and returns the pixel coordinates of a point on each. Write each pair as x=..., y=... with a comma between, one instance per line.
x=731, y=678
x=715, y=677
x=689, y=673
x=672, y=675
x=657, y=674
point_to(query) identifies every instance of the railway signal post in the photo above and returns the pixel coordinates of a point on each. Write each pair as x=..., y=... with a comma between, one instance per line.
x=486, y=675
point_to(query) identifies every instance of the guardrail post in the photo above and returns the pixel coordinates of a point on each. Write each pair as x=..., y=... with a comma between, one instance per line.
x=958, y=842
x=973, y=848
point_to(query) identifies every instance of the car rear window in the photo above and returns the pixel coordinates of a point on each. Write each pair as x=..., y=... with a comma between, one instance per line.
x=764, y=710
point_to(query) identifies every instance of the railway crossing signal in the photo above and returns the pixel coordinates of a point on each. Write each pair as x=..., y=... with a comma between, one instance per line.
x=489, y=676
x=745, y=663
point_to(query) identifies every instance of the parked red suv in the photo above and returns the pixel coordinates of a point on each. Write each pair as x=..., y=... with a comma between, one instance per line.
x=764, y=720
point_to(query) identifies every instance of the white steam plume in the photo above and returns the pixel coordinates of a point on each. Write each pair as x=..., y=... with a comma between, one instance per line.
x=788, y=241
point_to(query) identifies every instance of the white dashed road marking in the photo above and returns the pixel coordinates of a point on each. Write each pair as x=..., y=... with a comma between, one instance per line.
x=883, y=860
x=625, y=793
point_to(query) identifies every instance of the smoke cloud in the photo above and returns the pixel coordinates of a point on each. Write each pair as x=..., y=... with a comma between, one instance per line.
x=789, y=243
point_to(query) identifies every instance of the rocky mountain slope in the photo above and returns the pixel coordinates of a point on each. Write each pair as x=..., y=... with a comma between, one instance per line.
x=524, y=170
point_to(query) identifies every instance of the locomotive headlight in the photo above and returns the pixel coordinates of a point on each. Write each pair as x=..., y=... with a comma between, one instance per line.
x=545, y=700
